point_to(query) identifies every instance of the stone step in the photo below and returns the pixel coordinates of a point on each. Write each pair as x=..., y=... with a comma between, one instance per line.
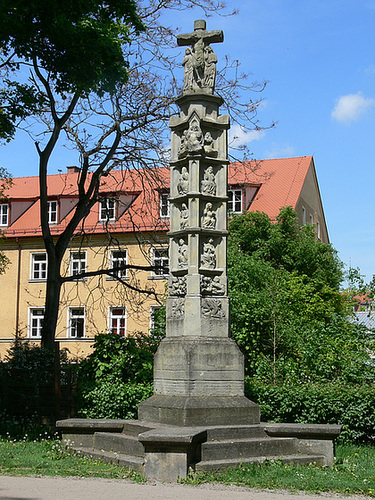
x=131, y=462
x=119, y=443
x=249, y=447
x=216, y=465
x=135, y=427
x=235, y=432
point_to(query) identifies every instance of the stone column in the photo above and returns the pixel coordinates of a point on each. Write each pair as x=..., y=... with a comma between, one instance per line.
x=198, y=369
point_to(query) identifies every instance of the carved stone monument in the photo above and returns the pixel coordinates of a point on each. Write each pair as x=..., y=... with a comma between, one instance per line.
x=198, y=417
x=198, y=369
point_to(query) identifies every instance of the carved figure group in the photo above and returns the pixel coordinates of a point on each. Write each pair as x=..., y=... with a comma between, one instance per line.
x=208, y=184
x=178, y=308
x=191, y=139
x=212, y=286
x=177, y=285
x=199, y=64
x=212, y=308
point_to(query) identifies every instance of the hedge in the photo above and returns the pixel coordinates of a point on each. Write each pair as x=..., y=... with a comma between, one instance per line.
x=352, y=406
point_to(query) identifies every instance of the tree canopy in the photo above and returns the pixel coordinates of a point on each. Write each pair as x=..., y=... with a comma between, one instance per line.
x=79, y=46
x=288, y=314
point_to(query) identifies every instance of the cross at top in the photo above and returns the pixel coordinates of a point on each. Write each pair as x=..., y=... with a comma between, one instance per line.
x=200, y=60
x=200, y=33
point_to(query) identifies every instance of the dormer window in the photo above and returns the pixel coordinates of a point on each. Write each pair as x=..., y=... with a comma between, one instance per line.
x=235, y=197
x=164, y=206
x=4, y=214
x=107, y=210
x=52, y=212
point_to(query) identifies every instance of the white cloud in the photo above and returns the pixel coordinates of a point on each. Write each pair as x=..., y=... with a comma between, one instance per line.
x=351, y=107
x=238, y=136
x=280, y=151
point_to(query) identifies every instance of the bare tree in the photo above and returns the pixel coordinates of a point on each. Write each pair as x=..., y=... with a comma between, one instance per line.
x=123, y=129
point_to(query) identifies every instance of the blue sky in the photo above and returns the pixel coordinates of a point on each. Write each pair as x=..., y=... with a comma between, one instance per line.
x=319, y=59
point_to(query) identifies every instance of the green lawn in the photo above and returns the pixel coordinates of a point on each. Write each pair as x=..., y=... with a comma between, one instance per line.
x=47, y=457
x=353, y=472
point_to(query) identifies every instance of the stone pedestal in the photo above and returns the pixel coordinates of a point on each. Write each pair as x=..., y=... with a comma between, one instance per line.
x=198, y=382
x=198, y=370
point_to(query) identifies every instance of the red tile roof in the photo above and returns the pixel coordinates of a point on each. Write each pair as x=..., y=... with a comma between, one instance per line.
x=280, y=182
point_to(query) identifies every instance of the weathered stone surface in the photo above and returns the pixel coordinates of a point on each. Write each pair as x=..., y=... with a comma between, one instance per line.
x=199, y=411
x=198, y=367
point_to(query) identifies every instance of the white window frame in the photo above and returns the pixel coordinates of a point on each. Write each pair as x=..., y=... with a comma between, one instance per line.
x=75, y=315
x=162, y=260
x=164, y=206
x=107, y=210
x=77, y=264
x=311, y=219
x=35, y=322
x=119, y=319
x=4, y=214
x=52, y=212
x=318, y=230
x=303, y=215
x=38, y=266
x=233, y=201
x=113, y=259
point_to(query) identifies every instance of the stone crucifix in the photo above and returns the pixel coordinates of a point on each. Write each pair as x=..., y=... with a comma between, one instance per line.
x=200, y=60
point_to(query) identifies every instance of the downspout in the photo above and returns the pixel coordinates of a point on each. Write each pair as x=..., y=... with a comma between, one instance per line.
x=18, y=288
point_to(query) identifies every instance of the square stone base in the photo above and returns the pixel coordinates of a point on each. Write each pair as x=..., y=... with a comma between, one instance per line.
x=199, y=411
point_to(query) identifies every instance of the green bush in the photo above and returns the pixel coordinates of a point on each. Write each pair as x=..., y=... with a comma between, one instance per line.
x=353, y=406
x=117, y=376
x=114, y=399
x=124, y=358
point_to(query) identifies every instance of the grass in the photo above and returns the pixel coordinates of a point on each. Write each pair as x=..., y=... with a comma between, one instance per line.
x=46, y=457
x=353, y=472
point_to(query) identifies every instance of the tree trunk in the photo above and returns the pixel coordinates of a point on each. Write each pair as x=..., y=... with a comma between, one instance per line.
x=52, y=303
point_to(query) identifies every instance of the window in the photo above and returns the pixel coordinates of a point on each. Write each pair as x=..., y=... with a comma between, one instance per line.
x=107, y=210
x=235, y=200
x=303, y=215
x=52, y=212
x=164, y=205
x=160, y=260
x=318, y=229
x=117, y=321
x=4, y=213
x=39, y=266
x=77, y=263
x=155, y=317
x=76, y=328
x=36, y=317
x=311, y=218
x=118, y=259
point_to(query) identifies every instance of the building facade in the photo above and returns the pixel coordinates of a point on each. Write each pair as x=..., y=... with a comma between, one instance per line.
x=127, y=229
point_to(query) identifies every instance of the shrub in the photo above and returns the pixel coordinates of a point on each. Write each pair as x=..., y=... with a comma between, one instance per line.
x=114, y=399
x=353, y=406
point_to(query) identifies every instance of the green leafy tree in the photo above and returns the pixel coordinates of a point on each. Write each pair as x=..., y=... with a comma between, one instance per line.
x=288, y=314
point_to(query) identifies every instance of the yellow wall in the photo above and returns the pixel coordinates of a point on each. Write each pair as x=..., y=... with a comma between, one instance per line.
x=96, y=294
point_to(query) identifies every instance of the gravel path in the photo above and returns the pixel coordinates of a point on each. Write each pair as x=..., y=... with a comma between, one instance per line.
x=59, y=488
